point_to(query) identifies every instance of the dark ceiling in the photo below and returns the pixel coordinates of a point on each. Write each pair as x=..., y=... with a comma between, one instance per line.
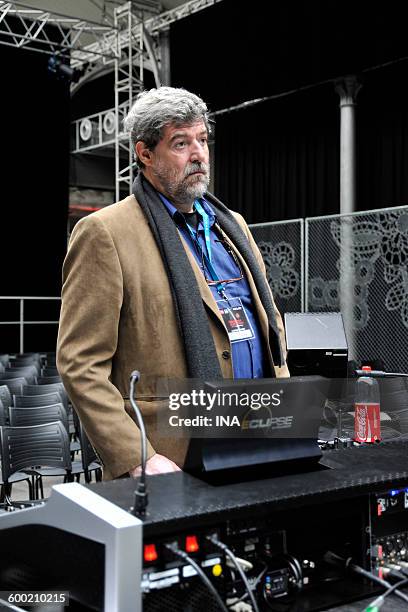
x=239, y=50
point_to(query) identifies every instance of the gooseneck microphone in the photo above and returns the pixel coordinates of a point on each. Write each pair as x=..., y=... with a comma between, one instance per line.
x=141, y=497
x=379, y=374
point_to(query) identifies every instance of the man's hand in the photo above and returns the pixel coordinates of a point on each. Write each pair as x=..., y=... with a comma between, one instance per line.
x=158, y=464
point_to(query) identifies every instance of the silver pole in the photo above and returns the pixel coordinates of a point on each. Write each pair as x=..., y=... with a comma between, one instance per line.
x=22, y=326
x=347, y=89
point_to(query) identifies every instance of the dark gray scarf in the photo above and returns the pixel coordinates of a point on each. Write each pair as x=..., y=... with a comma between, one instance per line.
x=192, y=318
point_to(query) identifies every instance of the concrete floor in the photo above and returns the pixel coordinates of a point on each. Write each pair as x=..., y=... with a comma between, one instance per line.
x=20, y=489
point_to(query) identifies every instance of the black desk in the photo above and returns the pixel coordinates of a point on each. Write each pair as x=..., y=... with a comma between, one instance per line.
x=346, y=477
x=350, y=472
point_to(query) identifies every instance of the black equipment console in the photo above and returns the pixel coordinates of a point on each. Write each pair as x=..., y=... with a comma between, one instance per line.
x=284, y=529
x=283, y=526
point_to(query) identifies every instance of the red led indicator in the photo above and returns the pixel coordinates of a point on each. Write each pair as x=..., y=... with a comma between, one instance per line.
x=191, y=544
x=150, y=553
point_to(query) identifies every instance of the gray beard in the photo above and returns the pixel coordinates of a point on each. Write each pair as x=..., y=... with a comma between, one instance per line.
x=184, y=191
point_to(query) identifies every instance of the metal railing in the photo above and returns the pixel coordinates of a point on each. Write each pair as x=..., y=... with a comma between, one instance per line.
x=22, y=321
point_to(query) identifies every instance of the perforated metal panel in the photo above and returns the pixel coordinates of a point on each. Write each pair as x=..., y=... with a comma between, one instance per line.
x=281, y=245
x=194, y=597
x=358, y=264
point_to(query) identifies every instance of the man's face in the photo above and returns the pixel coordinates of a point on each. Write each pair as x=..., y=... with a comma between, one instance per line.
x=180, y=163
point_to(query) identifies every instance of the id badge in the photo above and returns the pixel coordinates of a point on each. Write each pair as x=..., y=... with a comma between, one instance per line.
x=235, y=319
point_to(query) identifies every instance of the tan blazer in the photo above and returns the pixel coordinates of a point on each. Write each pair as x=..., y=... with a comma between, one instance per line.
x=117, y=316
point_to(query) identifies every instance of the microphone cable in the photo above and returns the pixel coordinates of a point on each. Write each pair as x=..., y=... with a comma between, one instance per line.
x=333, y=559
x=141, y=497
x=376, y=604
x=216, y=542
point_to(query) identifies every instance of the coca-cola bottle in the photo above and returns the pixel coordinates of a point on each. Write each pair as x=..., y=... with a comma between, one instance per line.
x=367, y=409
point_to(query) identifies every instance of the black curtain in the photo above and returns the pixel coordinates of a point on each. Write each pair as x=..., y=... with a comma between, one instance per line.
x=34, y=199
x=280, y=159
x=382, y=137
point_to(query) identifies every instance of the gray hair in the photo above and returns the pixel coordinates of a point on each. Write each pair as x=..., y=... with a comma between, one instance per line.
x=156, y=108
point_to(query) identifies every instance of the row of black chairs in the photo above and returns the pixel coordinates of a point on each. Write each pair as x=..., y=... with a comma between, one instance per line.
x=39, y=431
x=34, y=367
x=45, y=359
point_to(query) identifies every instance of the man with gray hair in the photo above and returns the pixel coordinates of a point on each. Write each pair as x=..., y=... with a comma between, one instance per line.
x=169, y=282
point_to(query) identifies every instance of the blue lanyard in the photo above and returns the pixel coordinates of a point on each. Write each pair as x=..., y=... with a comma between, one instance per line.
x=206, y=258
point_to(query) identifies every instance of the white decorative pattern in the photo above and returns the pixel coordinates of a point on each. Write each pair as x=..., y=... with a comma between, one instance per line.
x=279, y=261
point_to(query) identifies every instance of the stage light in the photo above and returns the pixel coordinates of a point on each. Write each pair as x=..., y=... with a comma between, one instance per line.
x=62, y=70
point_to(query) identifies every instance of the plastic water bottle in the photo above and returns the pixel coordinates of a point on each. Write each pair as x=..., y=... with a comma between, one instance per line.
x=367, y=409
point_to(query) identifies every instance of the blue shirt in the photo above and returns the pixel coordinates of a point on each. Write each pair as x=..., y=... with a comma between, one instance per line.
x=248, y=356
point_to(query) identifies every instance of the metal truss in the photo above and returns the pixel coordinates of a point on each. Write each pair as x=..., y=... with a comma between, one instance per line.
x=129, y=47
x=52, y=33
x=84, y=42
x=153, y=25
x=138, y=47
x=128, y=83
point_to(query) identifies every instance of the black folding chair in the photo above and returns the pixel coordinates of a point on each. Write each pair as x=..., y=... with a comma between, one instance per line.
x=89, y=460
x=47, y=399
x=15, y=385
x=30, y=373
x=10, y=373
x=35, y=401
x=38, y=415
x=26, y=360
x=41, y=389
x=36, y=356
x=22, y=363
x=24, y=447
x=49, y=371
x=18, y=476
x=5, y=396
x=20, y=417
x=2, y=414
x=50, y=359
x=48, y=380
